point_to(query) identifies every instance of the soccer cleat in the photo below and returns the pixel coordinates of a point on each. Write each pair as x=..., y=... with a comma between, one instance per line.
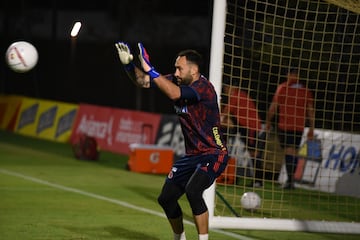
x=256, y=184
x=288, y=186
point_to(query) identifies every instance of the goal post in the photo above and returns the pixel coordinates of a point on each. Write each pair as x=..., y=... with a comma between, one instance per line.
x=215, y=72
x=253, y=44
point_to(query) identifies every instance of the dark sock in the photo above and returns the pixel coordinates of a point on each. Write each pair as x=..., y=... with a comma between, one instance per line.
x=290, y=167
x=258, y=172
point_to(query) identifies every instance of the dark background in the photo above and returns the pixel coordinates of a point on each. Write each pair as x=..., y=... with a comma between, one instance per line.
x=86, y=69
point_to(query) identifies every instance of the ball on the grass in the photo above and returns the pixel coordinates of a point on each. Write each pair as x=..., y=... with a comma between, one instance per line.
x=250, y=201
x=21, y=56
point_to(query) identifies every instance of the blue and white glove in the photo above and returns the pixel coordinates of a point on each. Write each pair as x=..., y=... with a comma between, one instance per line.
x=145, y=62
x=125, y=54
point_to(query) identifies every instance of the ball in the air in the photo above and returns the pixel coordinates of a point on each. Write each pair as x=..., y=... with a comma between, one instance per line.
x=21, y=56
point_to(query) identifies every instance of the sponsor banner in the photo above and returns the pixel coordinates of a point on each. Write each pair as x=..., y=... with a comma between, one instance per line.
x=170, y=134
x=115, y=129
x=45, y=119
x=9, y=107
x=237, y=151
x=336, y=170
x=330, y=163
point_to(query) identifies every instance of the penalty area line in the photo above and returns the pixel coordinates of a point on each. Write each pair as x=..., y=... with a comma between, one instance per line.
x=111, y=200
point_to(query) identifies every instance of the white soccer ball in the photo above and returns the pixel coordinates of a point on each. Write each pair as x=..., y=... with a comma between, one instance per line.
x=21, y=56
x=250, y=201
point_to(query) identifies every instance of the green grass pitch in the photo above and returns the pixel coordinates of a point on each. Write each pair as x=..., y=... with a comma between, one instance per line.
x=45, y=193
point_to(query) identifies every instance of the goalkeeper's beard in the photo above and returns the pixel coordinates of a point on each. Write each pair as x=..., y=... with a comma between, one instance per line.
x=184, y=81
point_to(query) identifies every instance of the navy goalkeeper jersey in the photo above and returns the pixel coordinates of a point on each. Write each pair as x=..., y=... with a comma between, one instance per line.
x=200, y=120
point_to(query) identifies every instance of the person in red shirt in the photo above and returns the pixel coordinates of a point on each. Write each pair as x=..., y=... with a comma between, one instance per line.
x=294, y=104
x=240, y=114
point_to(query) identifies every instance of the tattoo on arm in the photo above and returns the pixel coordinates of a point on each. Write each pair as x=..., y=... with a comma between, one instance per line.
x=139, y=78
x=142, y=79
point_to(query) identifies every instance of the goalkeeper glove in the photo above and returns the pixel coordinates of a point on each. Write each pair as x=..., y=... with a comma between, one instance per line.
x=145, y=62
x=125, y=55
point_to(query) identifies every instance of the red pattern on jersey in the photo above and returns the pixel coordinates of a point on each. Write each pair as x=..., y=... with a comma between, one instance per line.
x=218, y=162
x=200, y=121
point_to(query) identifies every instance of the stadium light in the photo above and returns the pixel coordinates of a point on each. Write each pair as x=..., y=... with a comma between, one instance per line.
x=75, y=29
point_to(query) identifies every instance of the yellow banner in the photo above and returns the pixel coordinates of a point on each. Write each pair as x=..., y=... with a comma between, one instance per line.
x=45, y=119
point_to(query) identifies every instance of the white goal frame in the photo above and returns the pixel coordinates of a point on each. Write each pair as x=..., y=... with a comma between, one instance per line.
x=215, y=75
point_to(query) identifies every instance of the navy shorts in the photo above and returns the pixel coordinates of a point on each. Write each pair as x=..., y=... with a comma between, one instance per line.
x=212, y=165
x=290, y=138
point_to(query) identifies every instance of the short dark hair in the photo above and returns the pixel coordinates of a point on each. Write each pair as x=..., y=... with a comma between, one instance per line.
x=192, y=56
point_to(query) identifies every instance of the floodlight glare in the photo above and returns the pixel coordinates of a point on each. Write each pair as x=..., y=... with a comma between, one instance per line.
x=75, y=30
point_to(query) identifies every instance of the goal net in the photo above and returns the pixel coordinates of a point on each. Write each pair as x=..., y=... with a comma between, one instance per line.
x=254, y=44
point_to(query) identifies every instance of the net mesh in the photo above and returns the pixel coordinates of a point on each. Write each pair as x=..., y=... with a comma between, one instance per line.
x=263, y=40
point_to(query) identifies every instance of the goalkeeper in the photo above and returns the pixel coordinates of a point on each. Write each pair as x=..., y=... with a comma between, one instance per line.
x=195, y=103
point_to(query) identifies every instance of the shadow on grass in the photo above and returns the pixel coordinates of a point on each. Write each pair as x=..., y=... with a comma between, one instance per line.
x=144, y=192
x=109, y=232
x=107, y=159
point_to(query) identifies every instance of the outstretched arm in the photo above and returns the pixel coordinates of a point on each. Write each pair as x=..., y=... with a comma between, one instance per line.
x=170, y=89
x=137, y=75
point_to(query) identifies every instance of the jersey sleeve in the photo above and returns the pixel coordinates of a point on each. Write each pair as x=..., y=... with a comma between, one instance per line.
x=189, y=94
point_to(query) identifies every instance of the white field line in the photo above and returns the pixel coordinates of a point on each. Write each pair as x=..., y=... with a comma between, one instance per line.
x=111, y=200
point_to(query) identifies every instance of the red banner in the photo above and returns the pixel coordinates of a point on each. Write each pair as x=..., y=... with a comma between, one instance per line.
x=114, y=129
x=9, y=109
